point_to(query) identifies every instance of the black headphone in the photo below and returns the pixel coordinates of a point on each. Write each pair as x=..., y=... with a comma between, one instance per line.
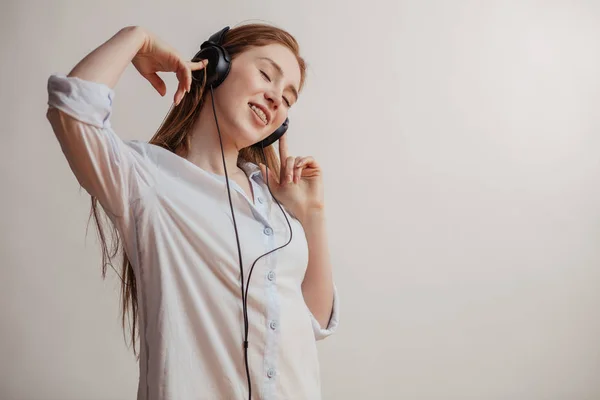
x=219, y=64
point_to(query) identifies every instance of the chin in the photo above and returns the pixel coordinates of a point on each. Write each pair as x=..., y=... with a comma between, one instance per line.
x=247, y=136
x=248, y=132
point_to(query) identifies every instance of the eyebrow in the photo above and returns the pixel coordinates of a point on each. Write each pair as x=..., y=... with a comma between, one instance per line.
x=280, y=71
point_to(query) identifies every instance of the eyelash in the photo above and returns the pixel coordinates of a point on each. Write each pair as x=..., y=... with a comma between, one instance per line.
x=269, y=79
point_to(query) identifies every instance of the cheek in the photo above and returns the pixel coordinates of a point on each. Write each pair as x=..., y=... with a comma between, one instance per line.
x=230, y=95
x=251, y=81
x=241, y=88
x=281, y=118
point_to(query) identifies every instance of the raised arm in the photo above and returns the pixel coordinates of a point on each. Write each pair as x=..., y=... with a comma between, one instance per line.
x=108, y=61
x=80, y=106
x=146, y=52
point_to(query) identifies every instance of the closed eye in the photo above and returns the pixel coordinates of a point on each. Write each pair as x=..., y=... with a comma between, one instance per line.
x=287, y=102
x=265, y=75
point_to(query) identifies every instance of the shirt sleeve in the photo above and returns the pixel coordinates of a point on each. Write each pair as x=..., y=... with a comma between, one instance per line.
x=322, y=333
x=105, y=166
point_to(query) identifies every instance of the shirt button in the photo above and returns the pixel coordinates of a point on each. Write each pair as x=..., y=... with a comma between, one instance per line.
x=268, y=231
x=270, y=372
x=271, y=275
x=273, y=325
x=260, y=200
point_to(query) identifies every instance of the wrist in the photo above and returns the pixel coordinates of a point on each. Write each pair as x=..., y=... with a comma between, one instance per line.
x=142, y=36
x=313, y=215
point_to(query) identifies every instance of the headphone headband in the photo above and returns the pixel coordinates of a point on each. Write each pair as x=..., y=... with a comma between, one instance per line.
x=216, y=38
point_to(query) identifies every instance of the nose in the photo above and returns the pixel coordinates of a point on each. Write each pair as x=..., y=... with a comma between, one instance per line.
x=274, y=98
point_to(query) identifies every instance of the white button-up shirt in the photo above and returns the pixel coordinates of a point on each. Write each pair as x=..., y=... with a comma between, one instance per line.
x=175, y=222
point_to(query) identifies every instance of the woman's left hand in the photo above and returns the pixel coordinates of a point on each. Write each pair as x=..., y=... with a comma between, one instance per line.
x=300, y=185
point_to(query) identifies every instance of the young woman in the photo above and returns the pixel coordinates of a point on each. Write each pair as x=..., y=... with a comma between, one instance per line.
x=226, y=270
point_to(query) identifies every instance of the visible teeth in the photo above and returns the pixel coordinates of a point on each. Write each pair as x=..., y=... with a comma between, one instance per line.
x=259, y=112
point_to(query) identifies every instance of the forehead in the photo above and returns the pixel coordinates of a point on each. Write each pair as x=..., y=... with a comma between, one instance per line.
x=282, y=56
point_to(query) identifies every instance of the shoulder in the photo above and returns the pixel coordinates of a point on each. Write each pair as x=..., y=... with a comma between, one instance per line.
x=146, y=149
x=163, y=160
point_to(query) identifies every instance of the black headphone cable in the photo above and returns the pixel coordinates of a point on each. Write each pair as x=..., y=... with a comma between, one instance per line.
x=245, y=293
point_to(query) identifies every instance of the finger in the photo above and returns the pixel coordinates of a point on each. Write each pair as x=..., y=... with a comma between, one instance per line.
x=187, y=75
x=191, y=66
x=182, y=77
x=303, y=161
x=283, y=149
x=289, y=169
x=309, y=162
x=282, y=171
x=185, y=78
x=157, y=83
x=197, y=65
x=297, y=174
x=178, y=95
x=299, y=166
x=179, y=92
x=309, y=167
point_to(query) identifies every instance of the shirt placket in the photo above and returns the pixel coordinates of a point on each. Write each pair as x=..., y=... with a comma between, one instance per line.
x=272, y=309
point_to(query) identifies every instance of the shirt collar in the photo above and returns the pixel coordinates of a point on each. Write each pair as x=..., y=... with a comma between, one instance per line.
x=250, y=169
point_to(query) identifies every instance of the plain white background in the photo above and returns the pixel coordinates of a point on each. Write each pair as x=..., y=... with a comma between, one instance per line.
x=461, y=149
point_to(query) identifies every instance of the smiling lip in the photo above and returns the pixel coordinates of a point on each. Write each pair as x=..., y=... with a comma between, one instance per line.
x=263, y=109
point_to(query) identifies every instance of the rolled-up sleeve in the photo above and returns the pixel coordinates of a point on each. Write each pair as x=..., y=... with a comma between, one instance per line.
x=105, y=166
x=320, y=332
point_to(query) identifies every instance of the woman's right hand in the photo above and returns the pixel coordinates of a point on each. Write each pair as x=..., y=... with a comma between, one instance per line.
x=157, y=56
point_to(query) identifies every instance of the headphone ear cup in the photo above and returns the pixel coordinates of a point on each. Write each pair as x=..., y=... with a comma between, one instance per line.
x=273, y=137
x=218, y=67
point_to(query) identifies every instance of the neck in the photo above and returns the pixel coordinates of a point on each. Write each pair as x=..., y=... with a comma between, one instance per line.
x=205, y=147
